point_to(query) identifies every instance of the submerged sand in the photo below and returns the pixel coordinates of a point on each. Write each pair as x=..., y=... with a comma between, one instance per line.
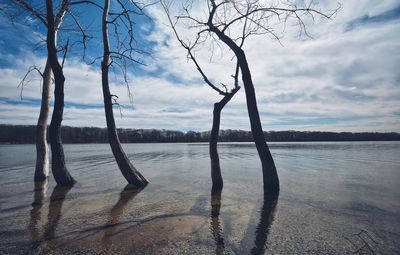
x=323, y=207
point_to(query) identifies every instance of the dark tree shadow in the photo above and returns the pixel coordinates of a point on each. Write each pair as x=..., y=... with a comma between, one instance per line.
x=266, y=218
x=35, y=213
x=56, y=202
x=215, y=223
x=127, y=194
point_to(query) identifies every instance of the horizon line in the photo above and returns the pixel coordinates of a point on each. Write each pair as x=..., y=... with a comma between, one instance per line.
x=288, y=130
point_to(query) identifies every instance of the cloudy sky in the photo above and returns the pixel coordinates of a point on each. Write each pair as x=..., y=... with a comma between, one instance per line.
x=345, y=78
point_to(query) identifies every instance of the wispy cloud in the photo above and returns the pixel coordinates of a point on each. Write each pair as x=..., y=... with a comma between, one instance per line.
x=387, y=16
x=344, y=79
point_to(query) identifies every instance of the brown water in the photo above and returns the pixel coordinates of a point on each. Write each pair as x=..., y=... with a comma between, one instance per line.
x=336, y=198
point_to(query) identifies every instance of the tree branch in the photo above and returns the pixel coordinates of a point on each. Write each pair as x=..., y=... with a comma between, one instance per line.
x=189, y=51
x=24, y=82
x=32, y=10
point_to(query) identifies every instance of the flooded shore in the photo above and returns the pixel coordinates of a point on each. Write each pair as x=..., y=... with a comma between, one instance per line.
x=336, y=198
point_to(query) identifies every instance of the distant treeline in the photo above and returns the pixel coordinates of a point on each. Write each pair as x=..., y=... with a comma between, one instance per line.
x=26, y=134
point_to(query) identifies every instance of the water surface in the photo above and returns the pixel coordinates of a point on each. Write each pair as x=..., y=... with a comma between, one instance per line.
x=336, y=198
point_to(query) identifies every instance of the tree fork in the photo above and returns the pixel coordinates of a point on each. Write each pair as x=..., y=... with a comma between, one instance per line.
x=216, y=176
x=270, y=175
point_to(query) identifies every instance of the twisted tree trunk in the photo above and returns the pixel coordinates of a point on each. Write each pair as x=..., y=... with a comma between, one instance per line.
x=42, y=151
x=270, y=176
x=130, y=173
x=60, y=172
x=216, y=176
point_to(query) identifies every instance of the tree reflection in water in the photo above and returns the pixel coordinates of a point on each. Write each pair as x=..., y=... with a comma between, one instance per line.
x=127, y=194
x=215, y=224
x=56, y=202
x=266, y=218
x=35, y=213
x=262, y=230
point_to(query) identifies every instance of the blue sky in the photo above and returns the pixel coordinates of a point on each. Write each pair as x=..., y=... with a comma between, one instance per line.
x=345, y=78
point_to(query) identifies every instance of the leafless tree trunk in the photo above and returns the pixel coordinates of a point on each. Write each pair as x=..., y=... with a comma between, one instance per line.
x=59, y=169
x=270, y=176
x=42, y=154
x=130, y=173
x=216, y=176
x=42, y=151
x=245, y=19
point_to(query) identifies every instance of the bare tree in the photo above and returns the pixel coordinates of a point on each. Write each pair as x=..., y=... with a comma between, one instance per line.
x=216, y=175
x=123, y=52
x=231, y=22
x=42, y=155
x=59, y=169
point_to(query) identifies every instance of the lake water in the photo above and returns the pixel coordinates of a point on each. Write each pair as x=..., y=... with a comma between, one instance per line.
x=336, y=198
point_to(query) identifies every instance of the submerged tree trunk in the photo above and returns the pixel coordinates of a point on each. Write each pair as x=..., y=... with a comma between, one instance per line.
x=130, y=173
x=270, y=176
x=216, y=176
x=60, y=172
x=42, y=151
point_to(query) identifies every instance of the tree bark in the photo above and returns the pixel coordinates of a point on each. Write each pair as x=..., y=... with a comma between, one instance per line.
x=216, y=176
x=270, y=176
x=130, y=173
x=42, y=151
x=59, y=169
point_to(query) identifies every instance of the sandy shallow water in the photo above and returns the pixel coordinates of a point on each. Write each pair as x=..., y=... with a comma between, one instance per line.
x=336, y=198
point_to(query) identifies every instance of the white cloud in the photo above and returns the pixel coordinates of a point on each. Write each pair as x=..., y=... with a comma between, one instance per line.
x=340, y=81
